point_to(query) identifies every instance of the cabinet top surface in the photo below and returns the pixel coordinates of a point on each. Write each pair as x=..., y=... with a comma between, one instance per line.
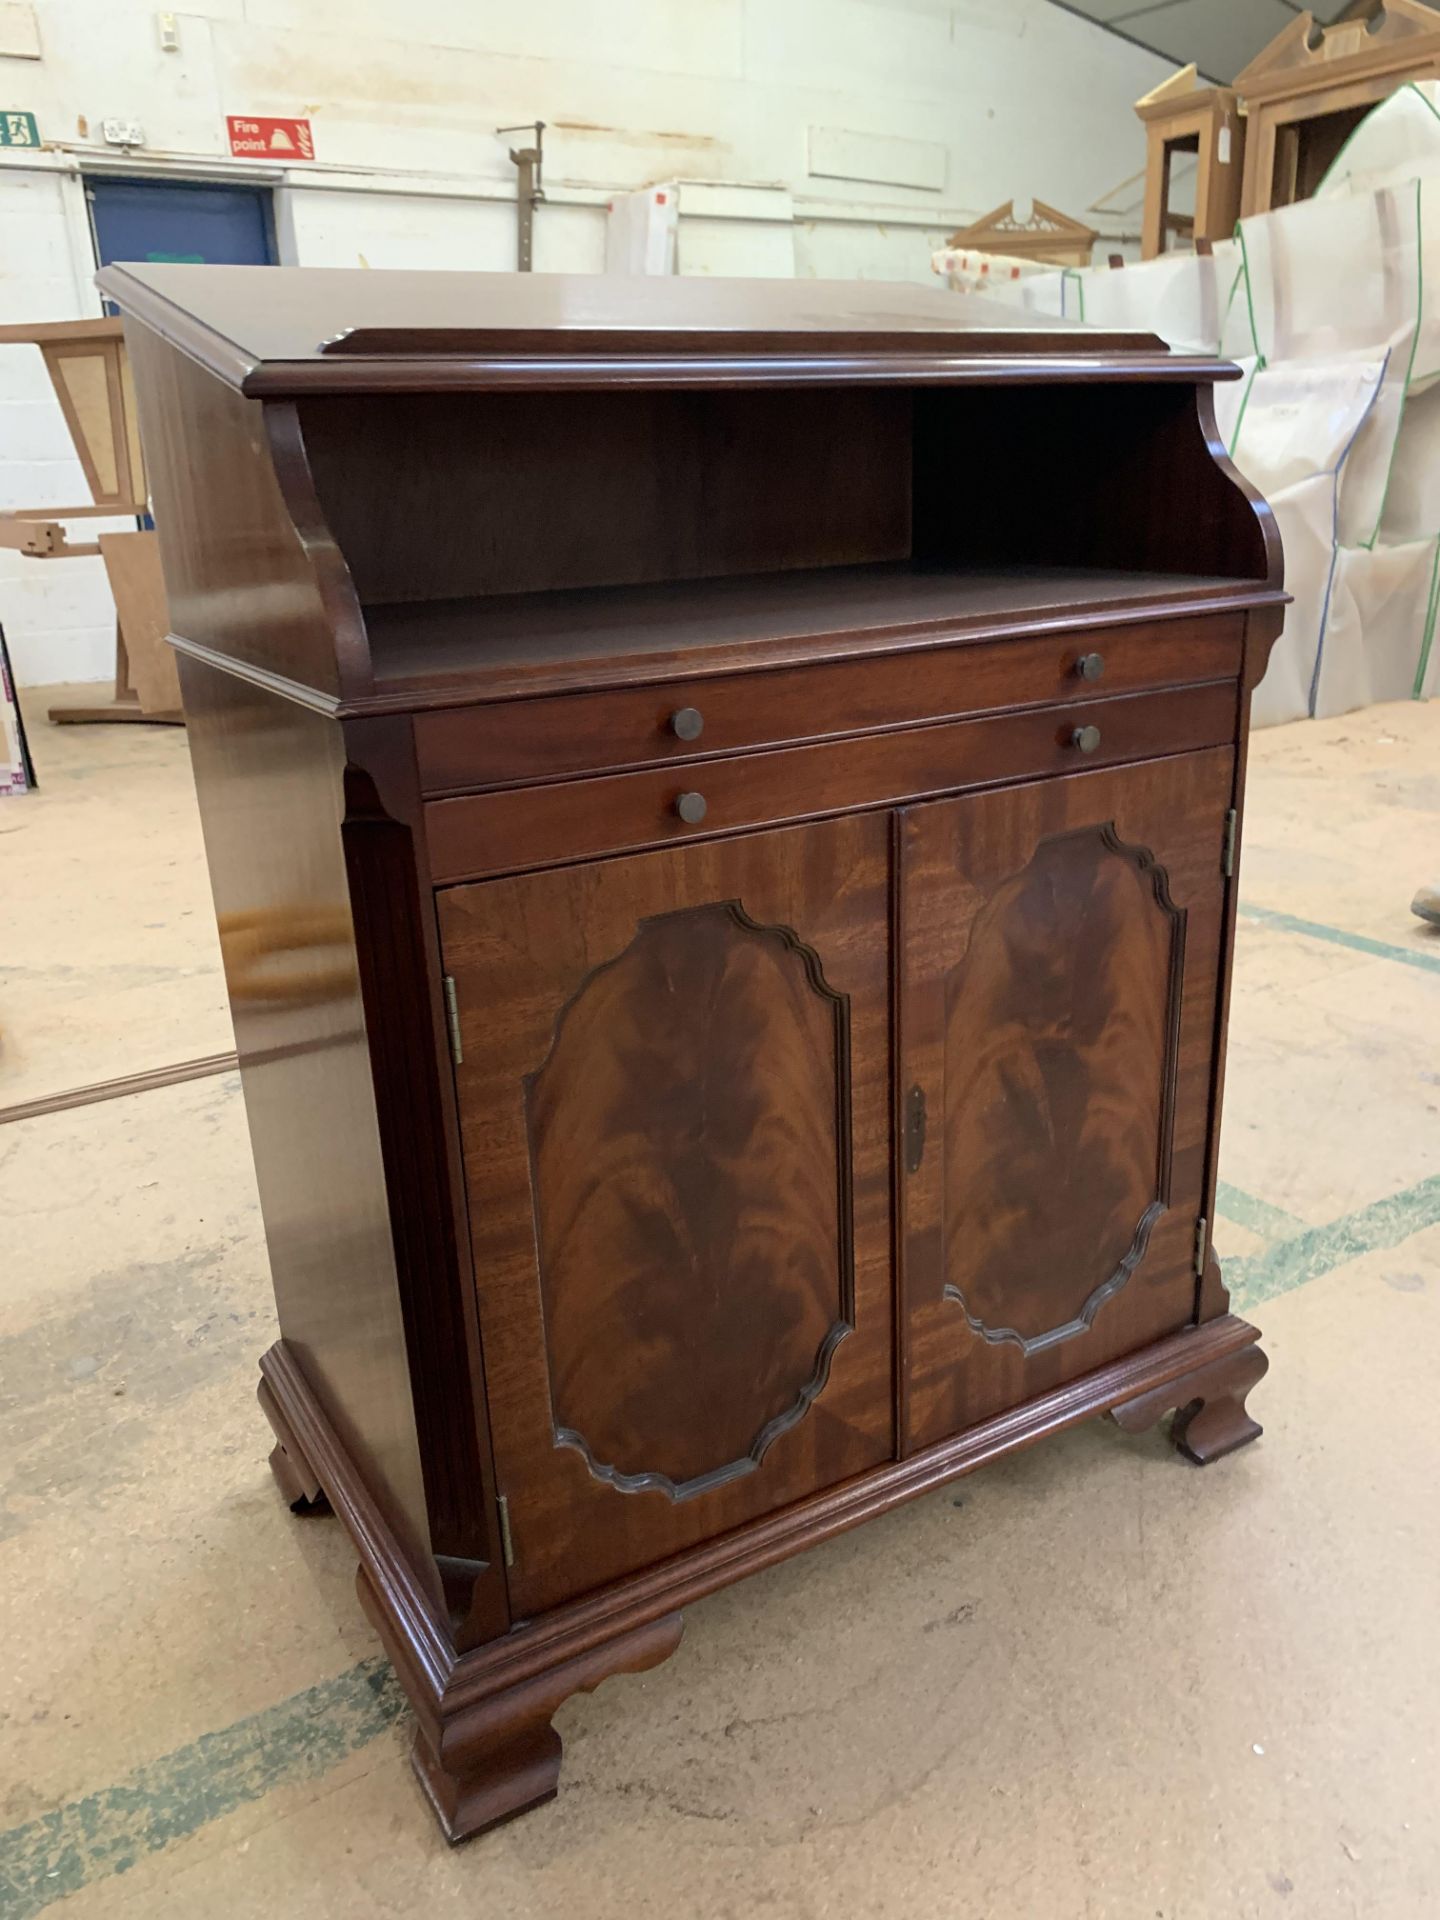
x=274, y=330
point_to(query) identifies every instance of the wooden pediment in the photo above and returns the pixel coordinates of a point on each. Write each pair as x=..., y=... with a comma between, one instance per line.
x=1047, y=235
x=1398, y=36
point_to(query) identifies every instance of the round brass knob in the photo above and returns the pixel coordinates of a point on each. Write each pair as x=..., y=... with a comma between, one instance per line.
x=687, y=723
x=1090, y=666
x=1087, y=739
x=691, y=807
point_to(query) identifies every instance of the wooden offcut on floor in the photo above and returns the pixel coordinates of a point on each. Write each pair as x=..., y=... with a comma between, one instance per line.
x=1088, y=1681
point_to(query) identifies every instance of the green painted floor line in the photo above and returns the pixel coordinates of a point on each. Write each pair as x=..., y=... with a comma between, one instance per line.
x=171, y=1798
x=1258, y=1216
x=1427, y=961
x=306, y=1735
x=1254, y=1278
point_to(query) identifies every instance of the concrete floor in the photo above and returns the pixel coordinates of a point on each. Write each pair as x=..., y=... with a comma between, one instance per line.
x=1090, y=1681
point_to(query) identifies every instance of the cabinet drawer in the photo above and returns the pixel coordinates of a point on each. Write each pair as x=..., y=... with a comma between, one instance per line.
x=512, y=741
x=478, y=834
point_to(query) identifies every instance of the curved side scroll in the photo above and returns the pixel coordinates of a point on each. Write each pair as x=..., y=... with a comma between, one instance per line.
x=336, y=589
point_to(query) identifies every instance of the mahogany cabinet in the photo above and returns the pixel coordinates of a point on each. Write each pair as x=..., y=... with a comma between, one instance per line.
x=722, y=805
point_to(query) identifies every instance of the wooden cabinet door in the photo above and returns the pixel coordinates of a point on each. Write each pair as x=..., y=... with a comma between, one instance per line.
x=675, y=1103
x=1057, y=1031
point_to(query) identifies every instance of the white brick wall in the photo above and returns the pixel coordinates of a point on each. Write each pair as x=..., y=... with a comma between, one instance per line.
x=58, y=616
x=1022, y=97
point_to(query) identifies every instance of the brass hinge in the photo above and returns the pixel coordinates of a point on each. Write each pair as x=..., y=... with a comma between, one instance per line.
x=914, y=1129
x=1202, y=1232
x=452, y=1020
x=507, y=1542
x=1227, y=856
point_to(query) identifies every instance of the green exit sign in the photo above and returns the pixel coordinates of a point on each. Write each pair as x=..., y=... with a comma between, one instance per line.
x=18, y=129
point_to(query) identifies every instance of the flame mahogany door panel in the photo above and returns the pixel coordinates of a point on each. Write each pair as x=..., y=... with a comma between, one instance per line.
x=1060, y=947
x=675, y=1102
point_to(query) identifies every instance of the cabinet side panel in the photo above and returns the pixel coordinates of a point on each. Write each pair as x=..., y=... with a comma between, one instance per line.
x=1261, y=632
x=241, y=578
x=269, y=776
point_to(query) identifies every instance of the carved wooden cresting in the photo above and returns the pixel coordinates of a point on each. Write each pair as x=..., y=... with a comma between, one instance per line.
x=1311, y=86
x=1043, y=233
x=727, y=908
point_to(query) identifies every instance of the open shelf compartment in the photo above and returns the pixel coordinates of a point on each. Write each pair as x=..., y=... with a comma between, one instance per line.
x=513, y=542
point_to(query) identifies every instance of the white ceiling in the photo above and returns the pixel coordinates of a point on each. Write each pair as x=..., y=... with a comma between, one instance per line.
x=1220, y=36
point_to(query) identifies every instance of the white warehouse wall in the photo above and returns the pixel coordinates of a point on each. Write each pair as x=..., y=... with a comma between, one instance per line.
x=978, y=99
